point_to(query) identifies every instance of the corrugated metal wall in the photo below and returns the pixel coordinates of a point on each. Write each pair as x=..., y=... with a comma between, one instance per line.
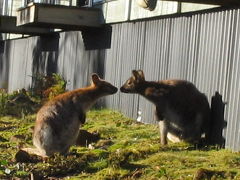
x=202, y=48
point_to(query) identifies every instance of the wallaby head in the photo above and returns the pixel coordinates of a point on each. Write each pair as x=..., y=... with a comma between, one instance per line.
x=103, y=86
x=135, y=82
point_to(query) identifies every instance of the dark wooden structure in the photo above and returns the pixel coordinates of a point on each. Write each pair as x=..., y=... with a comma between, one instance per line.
x=8, y=25
x=58, y=16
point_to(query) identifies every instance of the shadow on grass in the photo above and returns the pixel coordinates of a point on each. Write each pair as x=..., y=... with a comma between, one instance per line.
x=210, y=174
x=2, y=139
x=133, y=167
x=7, y=128
x=198, y=147
x=136, y=170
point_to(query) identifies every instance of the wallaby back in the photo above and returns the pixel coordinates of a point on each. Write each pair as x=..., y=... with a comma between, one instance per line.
x=58, y=121
x=184, y=110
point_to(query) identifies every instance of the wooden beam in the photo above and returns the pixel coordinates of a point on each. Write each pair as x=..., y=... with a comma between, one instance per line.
x=226, y=3
x=8, y=25
x=58, y=16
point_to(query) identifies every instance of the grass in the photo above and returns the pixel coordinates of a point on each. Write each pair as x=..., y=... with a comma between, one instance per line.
x=126, y=150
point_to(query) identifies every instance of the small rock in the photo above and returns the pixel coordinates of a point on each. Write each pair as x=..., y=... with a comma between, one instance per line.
x=7, y=171
x=90, y=146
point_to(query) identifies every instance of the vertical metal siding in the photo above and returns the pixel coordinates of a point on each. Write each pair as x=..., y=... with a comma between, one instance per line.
x=120, y=60
x=232, y=131
x=20, y=69
x=74, y=62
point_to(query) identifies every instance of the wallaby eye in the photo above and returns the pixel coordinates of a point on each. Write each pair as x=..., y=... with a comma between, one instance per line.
x=129, y=82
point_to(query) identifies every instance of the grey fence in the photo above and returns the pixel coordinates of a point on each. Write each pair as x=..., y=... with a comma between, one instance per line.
x=201, y=47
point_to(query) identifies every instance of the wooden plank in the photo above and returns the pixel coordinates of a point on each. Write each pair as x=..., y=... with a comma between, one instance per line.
x=81, y=17
x=57, y=16
x=8, y=25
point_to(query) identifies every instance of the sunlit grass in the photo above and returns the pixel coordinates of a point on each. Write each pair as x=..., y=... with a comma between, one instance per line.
x=127, y=150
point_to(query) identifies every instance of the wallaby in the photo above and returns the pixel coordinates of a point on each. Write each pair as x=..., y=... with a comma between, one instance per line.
x=58, y=121
x=182, y=110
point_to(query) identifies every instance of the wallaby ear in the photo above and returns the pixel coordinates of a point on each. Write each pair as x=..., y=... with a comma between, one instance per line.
x=135, y=74
x=139, y=75
x=95, y=78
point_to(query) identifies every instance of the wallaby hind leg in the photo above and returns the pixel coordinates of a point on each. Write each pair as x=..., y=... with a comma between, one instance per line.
x=163, y=132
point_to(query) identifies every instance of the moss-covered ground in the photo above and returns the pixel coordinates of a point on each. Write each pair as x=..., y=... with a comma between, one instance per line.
x=126, y=150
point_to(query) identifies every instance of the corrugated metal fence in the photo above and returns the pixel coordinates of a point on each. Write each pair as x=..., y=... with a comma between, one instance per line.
x=201, y=47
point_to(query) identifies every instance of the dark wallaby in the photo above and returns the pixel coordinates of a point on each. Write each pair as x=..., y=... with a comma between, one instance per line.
x=58, y=121
x=182, y=110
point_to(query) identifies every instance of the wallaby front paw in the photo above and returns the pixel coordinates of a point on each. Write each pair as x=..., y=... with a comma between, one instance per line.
x=163, y=142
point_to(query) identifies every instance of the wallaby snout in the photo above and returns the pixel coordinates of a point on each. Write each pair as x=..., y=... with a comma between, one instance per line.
x=122, y=89
x=114, y=90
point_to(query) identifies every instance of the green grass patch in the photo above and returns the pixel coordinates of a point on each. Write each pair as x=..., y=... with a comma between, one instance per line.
x=126, y=150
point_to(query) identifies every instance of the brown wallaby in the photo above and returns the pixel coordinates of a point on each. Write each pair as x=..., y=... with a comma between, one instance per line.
x=182, y=110
x=58, y=121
